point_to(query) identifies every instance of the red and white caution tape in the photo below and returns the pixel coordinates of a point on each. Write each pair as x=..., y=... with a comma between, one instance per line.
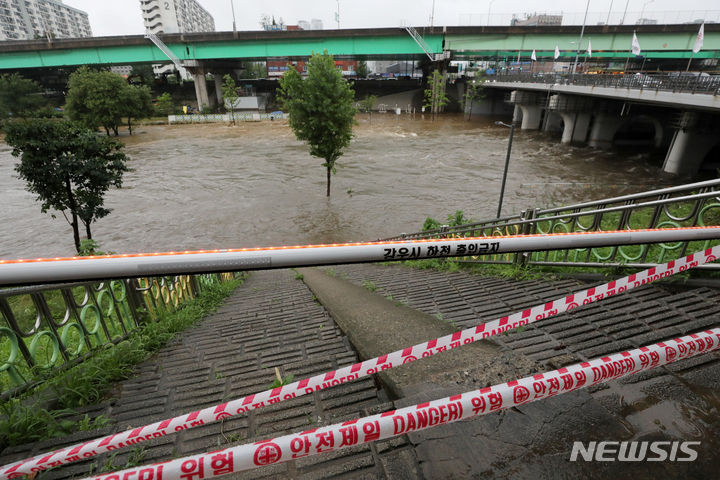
x=356, y=371
x=425, y=415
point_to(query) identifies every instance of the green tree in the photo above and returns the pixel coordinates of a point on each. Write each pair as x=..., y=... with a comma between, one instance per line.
x=255, y=70
x=68, y=167
x=95, y=99
x=321, y=109
x=230, y=95
x=474, y=90
x=435, y=97
x=138, y=103
x=164, y=104
x=362, y=69
x=19, y=96
x=142, y=73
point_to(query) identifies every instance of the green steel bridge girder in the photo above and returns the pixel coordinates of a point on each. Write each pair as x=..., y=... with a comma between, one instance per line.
x=676, y=45
x=383, y=43
x=362, y=47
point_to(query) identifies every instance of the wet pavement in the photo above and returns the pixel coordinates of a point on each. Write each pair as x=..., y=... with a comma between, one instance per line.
x=273, y=320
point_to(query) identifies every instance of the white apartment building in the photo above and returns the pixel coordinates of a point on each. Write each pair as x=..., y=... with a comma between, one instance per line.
x=28, y=19
x=176, y=16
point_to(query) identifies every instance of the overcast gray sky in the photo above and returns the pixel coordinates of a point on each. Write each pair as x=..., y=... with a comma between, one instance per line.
x=123, y=17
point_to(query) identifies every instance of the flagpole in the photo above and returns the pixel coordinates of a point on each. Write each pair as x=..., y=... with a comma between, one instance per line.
x=582, y=32
x=687, y=69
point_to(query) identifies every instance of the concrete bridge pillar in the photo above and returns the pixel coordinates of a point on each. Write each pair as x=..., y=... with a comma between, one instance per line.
x=201, y=90
x=517, y=114
x=603, y=131
x=553, y=122
x=530, y=104
x=687, y=151
x=576, y=126
x=218, y=88
x=691, y=142
x=531, y=117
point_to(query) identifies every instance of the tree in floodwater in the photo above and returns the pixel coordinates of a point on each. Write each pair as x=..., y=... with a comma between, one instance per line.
x=230, y=95
x=474, y=90
x=96, y=99
x=68, y=167
x=321, y=109
x=138, y=103
x=435, y=97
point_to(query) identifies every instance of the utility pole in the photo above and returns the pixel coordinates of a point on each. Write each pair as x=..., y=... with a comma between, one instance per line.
x=337, y=14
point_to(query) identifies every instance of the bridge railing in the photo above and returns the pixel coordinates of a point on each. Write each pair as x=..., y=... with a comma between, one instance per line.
x=680, y=82
x=696, y=204
x=49, y=327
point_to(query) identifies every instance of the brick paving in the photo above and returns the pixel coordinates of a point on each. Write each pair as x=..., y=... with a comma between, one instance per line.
x=273, y=320
x=270, y=321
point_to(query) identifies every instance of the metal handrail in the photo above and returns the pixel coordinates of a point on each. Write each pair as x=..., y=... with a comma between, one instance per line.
x=653, y=208
x=73, y=329
x=639, y=81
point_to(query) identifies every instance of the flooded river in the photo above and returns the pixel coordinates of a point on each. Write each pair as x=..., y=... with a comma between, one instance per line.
x=210, y=186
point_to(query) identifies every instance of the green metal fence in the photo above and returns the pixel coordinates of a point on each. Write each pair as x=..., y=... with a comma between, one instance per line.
x=48, y=327
x=695, y=204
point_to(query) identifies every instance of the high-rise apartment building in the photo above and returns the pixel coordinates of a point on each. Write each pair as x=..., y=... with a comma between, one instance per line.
x=176, y=16
x=28, y=19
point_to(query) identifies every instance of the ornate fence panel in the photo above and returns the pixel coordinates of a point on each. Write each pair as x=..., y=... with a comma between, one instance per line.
x=47, y=327
x=682, y=206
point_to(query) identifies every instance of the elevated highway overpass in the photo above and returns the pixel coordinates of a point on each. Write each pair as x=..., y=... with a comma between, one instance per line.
x=657, y=41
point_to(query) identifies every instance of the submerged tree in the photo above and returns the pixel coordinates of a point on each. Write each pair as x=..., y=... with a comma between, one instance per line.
x=95, y=99
x=435, y=97
x=68, y=167
x=230, y=95
x=474, y=90
x=321, y=109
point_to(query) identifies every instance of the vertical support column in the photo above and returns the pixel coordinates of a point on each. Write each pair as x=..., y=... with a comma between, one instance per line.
x=687, y=151
x=531, y=117
x=603, y=131
x=218, y=89
x=553, y=122
x=576, y=126
x=201, y=91
x=517, y=114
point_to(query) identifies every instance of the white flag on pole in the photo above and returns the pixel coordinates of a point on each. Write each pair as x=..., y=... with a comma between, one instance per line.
x=699, y=40
x=533, y=57
x=589, y=49
x=635, y=45
x=557, y=52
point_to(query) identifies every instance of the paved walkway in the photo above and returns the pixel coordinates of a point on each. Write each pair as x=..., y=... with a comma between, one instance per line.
x=273, y=320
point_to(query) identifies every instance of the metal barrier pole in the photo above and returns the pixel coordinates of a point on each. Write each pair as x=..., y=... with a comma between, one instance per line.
x=16, y=272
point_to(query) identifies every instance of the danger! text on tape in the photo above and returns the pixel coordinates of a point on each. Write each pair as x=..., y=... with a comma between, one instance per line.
x=353, y=372
x=425, y=415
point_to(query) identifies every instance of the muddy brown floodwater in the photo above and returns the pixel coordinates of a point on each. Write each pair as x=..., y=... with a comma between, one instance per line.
x=219, y=186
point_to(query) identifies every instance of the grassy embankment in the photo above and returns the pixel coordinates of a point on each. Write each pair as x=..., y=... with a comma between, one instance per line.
x=49, y=410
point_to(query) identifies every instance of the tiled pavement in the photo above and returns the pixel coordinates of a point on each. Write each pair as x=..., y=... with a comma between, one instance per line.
x=273, y=320
x=270, y=321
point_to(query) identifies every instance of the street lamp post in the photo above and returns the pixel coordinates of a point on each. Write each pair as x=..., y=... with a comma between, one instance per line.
x=642, y=12
x=337, y=14
x=232, y=6
x=507, y=163
x=489, y=6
